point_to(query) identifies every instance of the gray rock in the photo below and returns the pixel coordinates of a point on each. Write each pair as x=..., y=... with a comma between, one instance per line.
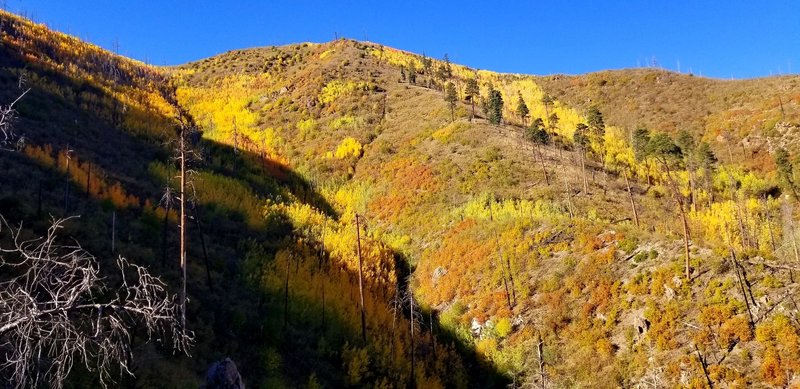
x=224, y=375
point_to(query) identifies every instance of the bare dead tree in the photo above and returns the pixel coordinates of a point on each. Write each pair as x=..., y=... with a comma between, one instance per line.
x=8, y=115
x=187, y=137
x=57, y=311
x=68, y=154
x=361, y=281
x=540, y=359
x=414, y=322
x=630, y=197
x=167, y=202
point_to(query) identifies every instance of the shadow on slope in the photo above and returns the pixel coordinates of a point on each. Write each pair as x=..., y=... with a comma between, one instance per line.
x=229, y=320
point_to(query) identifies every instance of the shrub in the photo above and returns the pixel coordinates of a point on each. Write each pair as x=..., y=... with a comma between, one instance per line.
x=348, y=148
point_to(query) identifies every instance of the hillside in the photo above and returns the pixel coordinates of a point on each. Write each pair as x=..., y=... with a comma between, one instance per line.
x=493, y=253
x=709, y=108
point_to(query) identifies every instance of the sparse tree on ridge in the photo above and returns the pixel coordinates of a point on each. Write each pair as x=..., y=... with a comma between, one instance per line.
x=473, y=92
x=427, y=63
x=448, y=69
x=452, y=98
x=552, y=122
x=522, y=109
x=412, y=73
x=547, y=101
x=597, y=131
x=493, y=106
x=686, y=142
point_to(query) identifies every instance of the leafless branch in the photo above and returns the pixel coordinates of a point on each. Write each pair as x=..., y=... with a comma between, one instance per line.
x=8, y=116
x=57, y=310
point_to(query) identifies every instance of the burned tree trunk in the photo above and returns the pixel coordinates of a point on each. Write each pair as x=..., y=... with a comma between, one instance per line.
x=361, y=282
x=630, y=197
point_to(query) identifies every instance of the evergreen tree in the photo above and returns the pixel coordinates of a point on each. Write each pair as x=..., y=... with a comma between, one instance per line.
x=581, y=139
x=537, y=135
x=785, y=170
x=597, y=125
x=426, y=65
x=536, y=132
x=451, y=97
x=639, y=142
x=402, y=73
x=547, y=101
x=473, y=92
x=597, y=129
x=707, y=161
x=665, y=151
x=522, y=109
x=552, y=120
x=448, y=70
x=494, y=106
x=412, y=73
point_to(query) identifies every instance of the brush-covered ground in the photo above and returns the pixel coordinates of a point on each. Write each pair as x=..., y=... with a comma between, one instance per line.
x=524, y=261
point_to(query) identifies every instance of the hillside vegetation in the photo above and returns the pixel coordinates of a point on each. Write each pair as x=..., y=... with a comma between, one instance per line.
x=624, y=228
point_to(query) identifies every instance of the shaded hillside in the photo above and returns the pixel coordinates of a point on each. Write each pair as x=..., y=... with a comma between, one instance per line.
x=98, y=146
x=552, y=253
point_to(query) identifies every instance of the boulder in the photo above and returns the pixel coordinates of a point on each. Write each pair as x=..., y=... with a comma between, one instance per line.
x=224, y=375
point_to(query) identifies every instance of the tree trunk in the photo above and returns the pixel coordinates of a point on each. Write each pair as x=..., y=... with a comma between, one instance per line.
x=569, y=195
x=630, y=197
x=544, y=167
x=583, y=171
x=679, y=202
x=203, y=244
x=742, y=232
x=433, y=333
x=89, y=181
x=182, y=145
x=321, y=260
x=768, y=218
x=113, y=230
x=66, y=189
x=692, y=189
x=361, y=282
x=503, y=274
x=739, y=276
x=540, y=352
x=472, y=101
x=286, y=293
x=413, y=380
x=164, y=232
x=39, y=201
x=705, y=367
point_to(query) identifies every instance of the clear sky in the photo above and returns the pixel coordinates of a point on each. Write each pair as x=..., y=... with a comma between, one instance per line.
x=722, y=39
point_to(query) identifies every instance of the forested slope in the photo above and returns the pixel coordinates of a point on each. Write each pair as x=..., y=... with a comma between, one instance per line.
x=597, y=246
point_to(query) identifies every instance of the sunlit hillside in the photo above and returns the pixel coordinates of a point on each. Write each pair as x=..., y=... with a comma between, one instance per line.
x=367, y=217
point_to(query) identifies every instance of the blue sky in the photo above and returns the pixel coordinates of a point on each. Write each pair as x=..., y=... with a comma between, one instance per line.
x=721, y=39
